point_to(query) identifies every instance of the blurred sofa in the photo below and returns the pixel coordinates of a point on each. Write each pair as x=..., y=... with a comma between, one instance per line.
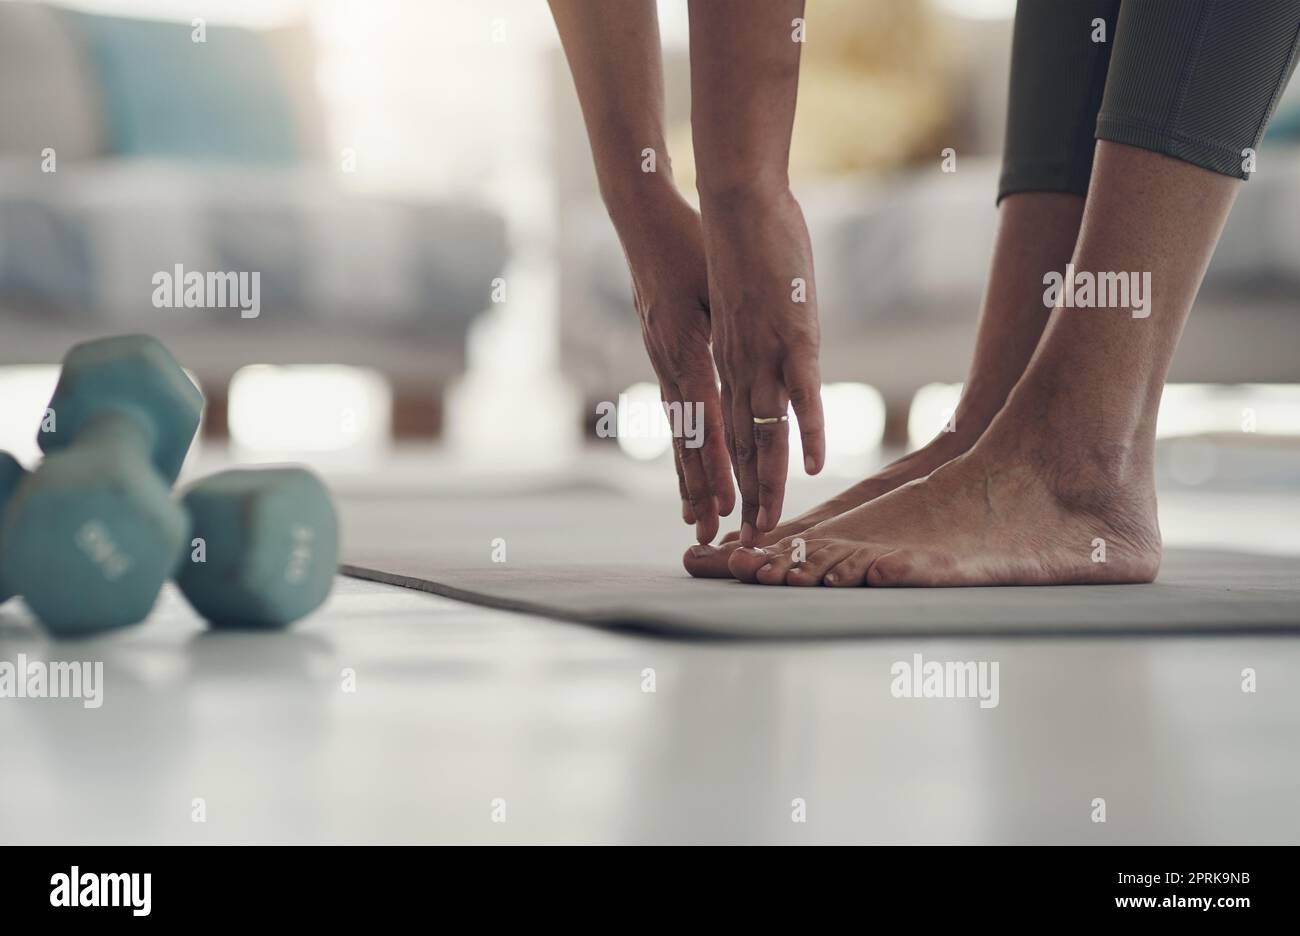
x=213, y=156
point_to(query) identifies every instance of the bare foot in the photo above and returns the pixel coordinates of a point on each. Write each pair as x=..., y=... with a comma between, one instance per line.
x=712, y=561
x=1037, y=231
x=1004, y=513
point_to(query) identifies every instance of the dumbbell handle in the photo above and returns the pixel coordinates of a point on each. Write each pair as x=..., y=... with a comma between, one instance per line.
x=117, y=426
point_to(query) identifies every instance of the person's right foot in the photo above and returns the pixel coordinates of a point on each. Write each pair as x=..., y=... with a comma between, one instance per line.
x=711, y=561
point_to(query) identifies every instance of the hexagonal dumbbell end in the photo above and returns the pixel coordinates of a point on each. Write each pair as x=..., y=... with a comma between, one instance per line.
x=127, y=379
x=90, y=542
x=264, y=547
x=11, y=475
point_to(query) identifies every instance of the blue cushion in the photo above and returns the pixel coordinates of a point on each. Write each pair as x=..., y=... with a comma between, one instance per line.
x=223, y=100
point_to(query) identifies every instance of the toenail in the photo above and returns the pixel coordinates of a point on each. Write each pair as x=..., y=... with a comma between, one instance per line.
x=700, y=552
x=765, y=568
x=832, y=578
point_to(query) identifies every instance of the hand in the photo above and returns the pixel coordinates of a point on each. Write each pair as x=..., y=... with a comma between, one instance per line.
x=765, y=341
x=664, y=244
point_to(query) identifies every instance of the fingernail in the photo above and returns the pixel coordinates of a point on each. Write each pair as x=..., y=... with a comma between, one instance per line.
x=809, y=464
x=762, y=518
x=686, y=514
x=717, y=506
x=699, y=531
x=700, y=552
x=746, y=533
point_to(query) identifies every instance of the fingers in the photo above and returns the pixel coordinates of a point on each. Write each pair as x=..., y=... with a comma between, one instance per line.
x=699, y=494
x=698, y=504
x=804, y=384
x=688, y=515
x=745, y=459
x=717, y=457
x=772, y=447
x=728, y=437
x=705, y=436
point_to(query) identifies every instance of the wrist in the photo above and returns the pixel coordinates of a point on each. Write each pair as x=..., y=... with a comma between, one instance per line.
x=635, y=181
x=723, y=192
x=649, y=212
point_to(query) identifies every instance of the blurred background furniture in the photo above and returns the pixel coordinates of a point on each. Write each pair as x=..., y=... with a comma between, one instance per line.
x=127, y=148
x=420, y=202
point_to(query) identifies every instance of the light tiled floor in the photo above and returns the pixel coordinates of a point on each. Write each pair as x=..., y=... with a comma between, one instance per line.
x=457, y=707
x=461, y=711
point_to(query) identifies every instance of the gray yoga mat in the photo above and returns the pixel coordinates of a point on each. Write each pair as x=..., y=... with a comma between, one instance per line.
x=1196, y=592
x=608, y=560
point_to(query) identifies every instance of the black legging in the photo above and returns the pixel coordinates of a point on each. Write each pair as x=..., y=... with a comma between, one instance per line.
x=1193, y=79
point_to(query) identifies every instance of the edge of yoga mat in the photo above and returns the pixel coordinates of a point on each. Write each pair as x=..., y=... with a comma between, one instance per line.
x=1253, y=609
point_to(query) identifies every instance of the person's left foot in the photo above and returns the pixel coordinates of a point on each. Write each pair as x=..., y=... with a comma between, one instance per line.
x=994, y=516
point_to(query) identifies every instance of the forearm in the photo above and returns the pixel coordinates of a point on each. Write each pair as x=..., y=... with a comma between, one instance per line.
x=744, y=83
x=614, y=54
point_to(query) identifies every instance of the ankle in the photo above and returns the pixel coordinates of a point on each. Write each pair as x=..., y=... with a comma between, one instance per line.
x=1085, y=446
x=1099, y=477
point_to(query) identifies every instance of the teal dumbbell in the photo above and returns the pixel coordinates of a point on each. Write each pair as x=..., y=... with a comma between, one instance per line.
x=268, y=540
x=92, y=534
x=11, y=475
x=264, y=547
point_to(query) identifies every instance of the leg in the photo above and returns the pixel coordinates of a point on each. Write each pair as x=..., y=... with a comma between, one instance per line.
x=1060, y=488
x=1068, y=461
x=1058, y=76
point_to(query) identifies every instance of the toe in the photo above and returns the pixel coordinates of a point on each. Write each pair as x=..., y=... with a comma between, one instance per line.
x=851, y=571
x=710, y=561
x=891, y=569
x=819, y=561
x=773, y=573
x=745, y=562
